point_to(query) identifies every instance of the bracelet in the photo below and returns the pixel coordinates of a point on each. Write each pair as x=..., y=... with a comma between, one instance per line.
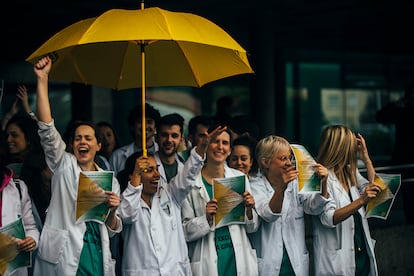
x=31, y=114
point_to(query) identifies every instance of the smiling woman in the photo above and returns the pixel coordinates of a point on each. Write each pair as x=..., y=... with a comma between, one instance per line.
x=242, y=155
x=56, y=254
x=211, y=249
x=282, y=210
x=85, y=144
x=21, y=136
x=145, y=173
x=154, y=240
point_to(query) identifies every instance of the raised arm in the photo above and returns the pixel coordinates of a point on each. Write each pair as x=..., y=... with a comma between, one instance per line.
x=371, y=190
x=42, y=69
x=364, y=156
x=13, y=110
x=23, y=96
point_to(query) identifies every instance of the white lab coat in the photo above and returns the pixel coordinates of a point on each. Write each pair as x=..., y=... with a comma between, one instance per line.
x=333, y=245
x=13, y=208
x=61, y=240
x=287, y=227
x=154, y=242
x=200, y=236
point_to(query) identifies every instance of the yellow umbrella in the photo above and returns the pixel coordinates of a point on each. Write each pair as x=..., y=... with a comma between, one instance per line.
x=150, y=47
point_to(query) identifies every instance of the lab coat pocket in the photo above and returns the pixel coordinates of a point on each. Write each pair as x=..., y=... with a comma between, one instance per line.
x=168, y=214
x=305, y=260
x=266, y=268
x=333, y=262
x=184, y=268
x=299, y=217
x=298, y=212
x=52, y=244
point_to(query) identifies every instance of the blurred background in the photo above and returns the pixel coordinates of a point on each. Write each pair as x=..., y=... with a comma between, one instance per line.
x=316, y=63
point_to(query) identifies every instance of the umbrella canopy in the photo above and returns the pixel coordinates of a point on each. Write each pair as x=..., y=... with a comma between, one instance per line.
x=123, y=49
x=181, y=49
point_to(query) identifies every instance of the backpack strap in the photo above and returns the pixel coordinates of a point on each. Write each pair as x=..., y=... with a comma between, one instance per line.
x=36, y=215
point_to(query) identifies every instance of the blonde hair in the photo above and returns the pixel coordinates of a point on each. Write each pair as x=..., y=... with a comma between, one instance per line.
x=338, y=151
x=267, y=147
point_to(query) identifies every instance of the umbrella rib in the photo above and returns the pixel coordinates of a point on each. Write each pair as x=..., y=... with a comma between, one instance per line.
x=78, y=70
x=196, y=81
x=118, y=83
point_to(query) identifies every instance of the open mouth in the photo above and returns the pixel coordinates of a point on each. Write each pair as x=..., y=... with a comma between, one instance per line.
x=154, y=184
x=83, y=150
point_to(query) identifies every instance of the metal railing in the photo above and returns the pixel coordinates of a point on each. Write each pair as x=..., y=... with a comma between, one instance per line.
x=396, y=169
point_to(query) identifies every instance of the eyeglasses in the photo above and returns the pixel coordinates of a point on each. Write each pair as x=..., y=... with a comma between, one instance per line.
x=290, y=158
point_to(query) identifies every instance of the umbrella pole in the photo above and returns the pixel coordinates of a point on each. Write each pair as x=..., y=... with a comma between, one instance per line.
x=144, y=121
